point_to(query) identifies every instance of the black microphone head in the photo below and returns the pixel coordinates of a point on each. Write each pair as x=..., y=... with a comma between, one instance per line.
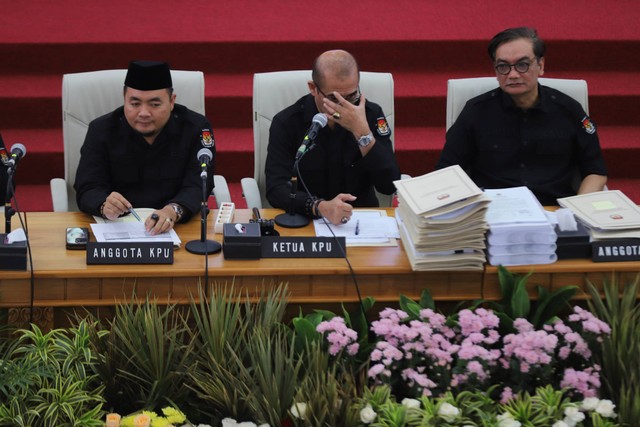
x=19, y=150
x=321, y=119
x=206, y=153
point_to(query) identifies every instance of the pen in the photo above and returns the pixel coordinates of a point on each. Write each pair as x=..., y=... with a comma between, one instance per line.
x=135, y=215
x=357, y=227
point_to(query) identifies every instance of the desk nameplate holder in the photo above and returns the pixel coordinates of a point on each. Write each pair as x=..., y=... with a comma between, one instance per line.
x=613, y=250
x=302, y=247
x=13, y=256
x=130, y=253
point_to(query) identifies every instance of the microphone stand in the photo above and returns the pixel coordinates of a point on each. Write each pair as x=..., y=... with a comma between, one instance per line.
x=203, y=246
x=291, y=219
x=8, y=209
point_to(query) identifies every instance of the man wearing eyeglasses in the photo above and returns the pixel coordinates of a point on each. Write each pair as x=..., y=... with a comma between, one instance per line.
x=352, y=157
x=525, y=134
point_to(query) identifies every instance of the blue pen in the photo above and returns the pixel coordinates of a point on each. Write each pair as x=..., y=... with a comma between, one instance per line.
x=357, y=227
x=135, y=215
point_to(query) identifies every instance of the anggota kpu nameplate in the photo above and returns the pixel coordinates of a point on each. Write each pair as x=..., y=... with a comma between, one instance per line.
x=303, y=247
x=129, y=253
x=612, y=250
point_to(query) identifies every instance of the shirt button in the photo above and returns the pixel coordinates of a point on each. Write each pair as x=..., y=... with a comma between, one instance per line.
x=522, y=165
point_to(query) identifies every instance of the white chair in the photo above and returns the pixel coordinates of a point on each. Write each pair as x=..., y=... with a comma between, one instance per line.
x=86, y=96
x=459, y=91
x=273, y=92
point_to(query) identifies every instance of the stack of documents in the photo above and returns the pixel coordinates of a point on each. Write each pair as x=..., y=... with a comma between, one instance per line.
x=607, y=214
x=520, y=233
x=441, y=220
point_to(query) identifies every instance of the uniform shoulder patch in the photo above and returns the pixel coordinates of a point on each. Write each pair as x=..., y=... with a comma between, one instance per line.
x=206, y=138
x=382, y=126
x=588, y=125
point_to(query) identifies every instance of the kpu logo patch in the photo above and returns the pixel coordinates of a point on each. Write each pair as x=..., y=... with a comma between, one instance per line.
x=206, y=137
x=588, y=125
x=383, y=127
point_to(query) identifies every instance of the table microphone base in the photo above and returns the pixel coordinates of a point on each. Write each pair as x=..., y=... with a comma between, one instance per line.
x=291, y=220
x=207, y=247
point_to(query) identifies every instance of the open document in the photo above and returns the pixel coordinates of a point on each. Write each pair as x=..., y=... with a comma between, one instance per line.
x=366, y=228
x=131, y=232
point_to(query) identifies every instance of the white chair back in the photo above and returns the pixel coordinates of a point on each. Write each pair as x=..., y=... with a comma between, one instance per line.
x=459, y=91
x=86, y=96
x=273, y=92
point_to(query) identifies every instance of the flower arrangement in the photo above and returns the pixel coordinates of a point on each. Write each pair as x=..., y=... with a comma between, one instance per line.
x=171, y=417
x=431, y=355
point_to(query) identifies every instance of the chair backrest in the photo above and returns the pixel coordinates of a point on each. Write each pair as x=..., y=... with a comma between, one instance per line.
x=459, y=91
x=273, y=92
x=86, y=96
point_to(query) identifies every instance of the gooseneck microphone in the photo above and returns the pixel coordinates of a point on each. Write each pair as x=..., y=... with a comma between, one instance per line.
x=204, y=157
x=318, y=122
x=18, y=151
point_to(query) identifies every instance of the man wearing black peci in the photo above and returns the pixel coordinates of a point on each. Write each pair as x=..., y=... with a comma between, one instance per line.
x=353, y=155
x=525, y=134
x=144, y=154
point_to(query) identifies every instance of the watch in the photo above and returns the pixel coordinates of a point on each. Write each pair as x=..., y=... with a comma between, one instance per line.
x=365, y=140
x=178, y=210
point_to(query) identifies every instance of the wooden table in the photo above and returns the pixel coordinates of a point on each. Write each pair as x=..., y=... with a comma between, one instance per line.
x=63, y=279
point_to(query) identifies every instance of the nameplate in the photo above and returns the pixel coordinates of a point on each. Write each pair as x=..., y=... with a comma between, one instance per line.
x=130, y=253
x=616, y=250
x=302, y=247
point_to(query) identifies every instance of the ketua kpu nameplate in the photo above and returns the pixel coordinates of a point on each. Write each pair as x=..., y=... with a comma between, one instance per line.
x=130, y=253
x=303, y=247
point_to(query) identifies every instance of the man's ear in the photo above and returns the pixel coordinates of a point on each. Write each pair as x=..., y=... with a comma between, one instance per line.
x=541, y=65
x=312, y=87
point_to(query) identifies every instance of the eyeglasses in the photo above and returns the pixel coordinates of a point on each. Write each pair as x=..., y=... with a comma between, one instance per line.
x=353, y=97
x=520, y=66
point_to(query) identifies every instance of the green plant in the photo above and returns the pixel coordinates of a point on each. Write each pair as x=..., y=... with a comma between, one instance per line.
x=516, y=302
x=144, y=355
x=245, y=364
x=543, y=408
x=48, y=380
x=621, y=350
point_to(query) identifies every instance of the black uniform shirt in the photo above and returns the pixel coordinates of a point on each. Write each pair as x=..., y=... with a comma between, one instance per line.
x=335, y=165
x=115, y=157
x=546, y=148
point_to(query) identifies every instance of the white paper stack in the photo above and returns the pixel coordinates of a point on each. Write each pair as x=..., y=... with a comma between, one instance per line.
x=441, y=220
x=520, y=233
x=607, y=214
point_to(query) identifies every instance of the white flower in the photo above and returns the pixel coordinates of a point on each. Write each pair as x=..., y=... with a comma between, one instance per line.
x=590, y=403
x=411, y=403
x=506, y=420
x=367, y=414
x=229, y=422
x=299, y=410
x=560, y=424
x=605, y=408
x=448, y=412
x=246, y=424
x=573, y=416
x=264, y=425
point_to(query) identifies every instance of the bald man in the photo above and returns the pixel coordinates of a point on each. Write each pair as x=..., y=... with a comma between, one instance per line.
x=353, y=155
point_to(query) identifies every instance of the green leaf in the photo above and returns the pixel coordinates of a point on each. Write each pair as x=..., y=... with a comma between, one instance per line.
x=426, y=300
x=410, y=307
x=553, y=302
x=520, y=302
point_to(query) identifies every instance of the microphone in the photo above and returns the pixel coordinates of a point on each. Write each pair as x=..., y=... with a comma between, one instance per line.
x=18, y=151
x=319, y=121
x=204, y=157
x=4, y=157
